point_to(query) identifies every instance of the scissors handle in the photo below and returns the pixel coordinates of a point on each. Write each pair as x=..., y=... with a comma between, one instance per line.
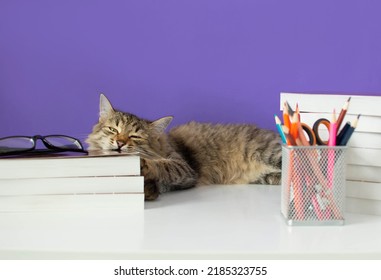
x=315, y=129
x=310, y=134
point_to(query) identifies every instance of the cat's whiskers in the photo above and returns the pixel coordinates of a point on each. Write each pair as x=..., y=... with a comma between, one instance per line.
x=151, y=155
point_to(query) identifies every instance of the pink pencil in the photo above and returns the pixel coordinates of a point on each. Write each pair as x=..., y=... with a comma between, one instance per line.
x=331, y=152
x=332, y=130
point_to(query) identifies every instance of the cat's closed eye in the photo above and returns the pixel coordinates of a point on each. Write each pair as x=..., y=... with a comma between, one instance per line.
x=113, y=130
x=135, y=136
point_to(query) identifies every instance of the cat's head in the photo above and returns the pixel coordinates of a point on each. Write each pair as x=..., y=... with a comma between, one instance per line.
x=117, y=130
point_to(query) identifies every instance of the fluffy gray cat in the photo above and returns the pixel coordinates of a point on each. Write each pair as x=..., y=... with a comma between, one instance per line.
x=191, y=154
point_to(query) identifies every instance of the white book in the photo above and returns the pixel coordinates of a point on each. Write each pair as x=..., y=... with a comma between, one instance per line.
x=72, y=185
x=360, y=205
x=325, y=103
x=363, y=173
x=58, y=165
x=364, y=190
x=82, y=202
x=365, y=124
x=364, y=156
x=365, y=140
x=102, y=224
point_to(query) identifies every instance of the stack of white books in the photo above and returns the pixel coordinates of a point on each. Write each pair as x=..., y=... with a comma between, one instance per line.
x=363, y=174
x=71, y=182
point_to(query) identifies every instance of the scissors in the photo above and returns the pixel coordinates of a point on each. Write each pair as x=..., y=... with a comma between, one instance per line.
x=313, y=134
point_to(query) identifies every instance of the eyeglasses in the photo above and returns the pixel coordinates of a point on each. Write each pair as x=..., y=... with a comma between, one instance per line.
x=15, y=145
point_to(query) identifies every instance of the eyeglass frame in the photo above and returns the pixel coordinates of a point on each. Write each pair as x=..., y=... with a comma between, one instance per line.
x=51, y=148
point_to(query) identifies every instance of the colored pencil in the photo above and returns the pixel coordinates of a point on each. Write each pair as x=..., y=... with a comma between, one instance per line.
x=294, y=128
x=280, y=130
x=342, y=132
x=286, y=116
x=297, y=112
x=302, y=136
x=290, y=140
x=332, y=130
x=317, y=207
x=297, y=186
x=348, y=133
x=343, y=113
x=331, y=152
x=289, y=109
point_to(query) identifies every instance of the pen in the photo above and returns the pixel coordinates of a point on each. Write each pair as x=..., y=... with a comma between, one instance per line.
x=280, y=130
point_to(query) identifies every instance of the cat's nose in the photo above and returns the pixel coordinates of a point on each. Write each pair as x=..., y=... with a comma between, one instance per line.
x=120, y=143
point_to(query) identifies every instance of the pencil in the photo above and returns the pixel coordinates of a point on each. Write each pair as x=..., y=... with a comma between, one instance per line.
x=286, y=116
x=331, y=152
x=297, y=188
x=342, y=132
x=290, y=140
x=289, y=109
x=348, y=133
x=301, y=135
x=342, y=113
x=280, y=130
x=316, y=206
x=332, y=130
x=294, y=127
x=297, y=112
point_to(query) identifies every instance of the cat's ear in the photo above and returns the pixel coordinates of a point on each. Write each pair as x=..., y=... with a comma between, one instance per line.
x=161, y=124
x=105, y=107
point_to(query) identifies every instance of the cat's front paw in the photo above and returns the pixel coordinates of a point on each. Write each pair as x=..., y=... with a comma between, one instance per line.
x=143, y=166
x=151, y=191
x=146, y=169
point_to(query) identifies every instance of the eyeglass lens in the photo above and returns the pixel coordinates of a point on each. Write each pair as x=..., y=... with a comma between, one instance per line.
x=16, y=144
x=63, y=142
x=23, y=144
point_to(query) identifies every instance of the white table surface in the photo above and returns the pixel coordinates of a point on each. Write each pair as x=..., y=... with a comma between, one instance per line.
x=211, y=222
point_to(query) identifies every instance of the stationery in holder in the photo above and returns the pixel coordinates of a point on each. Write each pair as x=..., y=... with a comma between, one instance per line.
x=313, y=189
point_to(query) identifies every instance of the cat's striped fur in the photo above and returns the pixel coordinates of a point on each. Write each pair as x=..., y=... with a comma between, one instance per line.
x=191, y=154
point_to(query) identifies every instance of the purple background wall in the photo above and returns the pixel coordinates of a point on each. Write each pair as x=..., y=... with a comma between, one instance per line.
x=204, y=60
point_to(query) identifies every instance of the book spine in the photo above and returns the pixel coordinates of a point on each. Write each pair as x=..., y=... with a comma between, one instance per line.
x=365, y=206
x=324, y=103
x=364, y=156
x=363, y=173
x=364, y=190
x=78, y=185
x=84, y=202
x=69, y=167
x=369, y=124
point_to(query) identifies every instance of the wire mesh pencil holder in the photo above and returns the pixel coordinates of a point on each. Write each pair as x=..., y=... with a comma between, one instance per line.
x=313, y=185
